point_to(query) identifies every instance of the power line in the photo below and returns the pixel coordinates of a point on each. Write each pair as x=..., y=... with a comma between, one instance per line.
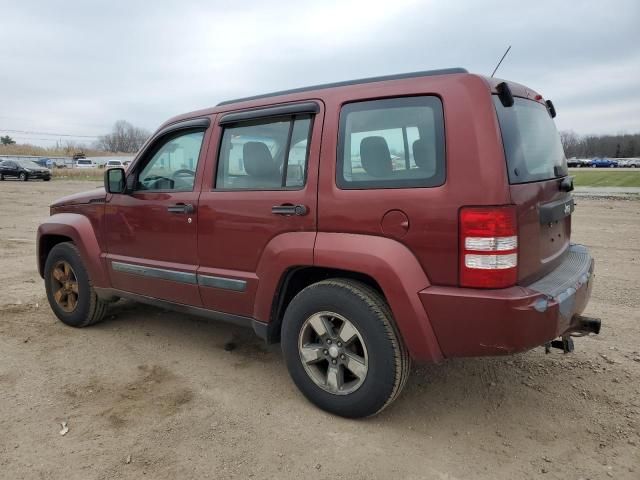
x=51, y=134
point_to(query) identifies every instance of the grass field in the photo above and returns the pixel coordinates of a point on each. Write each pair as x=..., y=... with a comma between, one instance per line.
x=606, y=178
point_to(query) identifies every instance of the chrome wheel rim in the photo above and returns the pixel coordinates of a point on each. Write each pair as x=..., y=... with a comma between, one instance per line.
x=64, y=285
x=333, y=353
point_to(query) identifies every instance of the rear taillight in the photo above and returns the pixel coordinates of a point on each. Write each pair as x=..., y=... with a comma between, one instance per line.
x=488, y=247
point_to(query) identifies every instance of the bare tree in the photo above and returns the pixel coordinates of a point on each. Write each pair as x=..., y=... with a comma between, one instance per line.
x=124, y=137
x=588, y=146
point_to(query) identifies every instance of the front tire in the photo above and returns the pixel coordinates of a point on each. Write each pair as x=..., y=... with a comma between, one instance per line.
x=23, y=177
x=342, y=349
x=69, y=290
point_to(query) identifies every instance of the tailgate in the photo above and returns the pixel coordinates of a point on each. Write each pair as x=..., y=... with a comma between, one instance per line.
x=544, y=227
x=536, y=165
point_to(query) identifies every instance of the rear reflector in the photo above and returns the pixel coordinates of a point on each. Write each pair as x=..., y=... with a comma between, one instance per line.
x=485, y=231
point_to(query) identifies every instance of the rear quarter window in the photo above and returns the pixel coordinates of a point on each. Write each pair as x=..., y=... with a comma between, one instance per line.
x=391, y=143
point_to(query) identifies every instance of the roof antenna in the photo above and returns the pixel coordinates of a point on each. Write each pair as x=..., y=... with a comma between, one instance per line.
x=498, y=66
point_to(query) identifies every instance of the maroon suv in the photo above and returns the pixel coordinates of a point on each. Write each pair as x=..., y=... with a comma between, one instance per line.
x=361, y=224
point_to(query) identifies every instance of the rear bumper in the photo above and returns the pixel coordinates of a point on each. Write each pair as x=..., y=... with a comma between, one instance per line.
x=470, y=322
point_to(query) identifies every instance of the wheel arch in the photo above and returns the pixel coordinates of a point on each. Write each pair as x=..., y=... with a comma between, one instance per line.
x=295, y=279
x=75, y=228
x=382, y=263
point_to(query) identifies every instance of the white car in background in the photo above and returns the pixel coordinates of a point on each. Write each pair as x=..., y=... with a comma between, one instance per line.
x=115, y=164
x=629, y=163
x=84, y=163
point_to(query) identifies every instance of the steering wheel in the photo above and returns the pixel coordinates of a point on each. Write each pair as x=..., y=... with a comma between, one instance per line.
x=184, y=172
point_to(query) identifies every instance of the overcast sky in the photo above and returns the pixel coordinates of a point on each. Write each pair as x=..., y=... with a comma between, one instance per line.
x=76, y=66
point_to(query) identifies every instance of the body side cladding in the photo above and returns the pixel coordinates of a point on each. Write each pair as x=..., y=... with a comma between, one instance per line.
x=399, y=275
x=283, y=252
x=258, y=327
x=79, y=230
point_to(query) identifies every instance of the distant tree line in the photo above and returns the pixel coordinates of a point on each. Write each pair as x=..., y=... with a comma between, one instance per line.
x=124, y=138
x=589, y=146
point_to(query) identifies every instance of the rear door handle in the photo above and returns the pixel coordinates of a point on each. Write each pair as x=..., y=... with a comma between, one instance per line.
x=181, y=208
x=287, y=210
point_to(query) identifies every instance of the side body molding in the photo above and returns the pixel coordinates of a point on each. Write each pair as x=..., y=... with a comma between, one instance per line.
x=80, y=230
x=399, y=275
x=281, y=253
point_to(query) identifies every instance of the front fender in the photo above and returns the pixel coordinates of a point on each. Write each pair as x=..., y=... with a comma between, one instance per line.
x=399, y=275
x=78, y=228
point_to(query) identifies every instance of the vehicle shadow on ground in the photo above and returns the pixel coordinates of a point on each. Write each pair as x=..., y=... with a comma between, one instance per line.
x=463, y=392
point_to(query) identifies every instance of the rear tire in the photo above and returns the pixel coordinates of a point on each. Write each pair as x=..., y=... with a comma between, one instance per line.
x=69, y=289
x=1, y=177
x=360, y=364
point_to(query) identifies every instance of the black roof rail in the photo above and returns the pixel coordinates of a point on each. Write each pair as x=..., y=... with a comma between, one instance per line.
x=400, y=76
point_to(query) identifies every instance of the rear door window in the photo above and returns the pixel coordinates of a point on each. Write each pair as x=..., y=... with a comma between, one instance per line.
x=391, y=143
x=266, y=154
x=531, y=142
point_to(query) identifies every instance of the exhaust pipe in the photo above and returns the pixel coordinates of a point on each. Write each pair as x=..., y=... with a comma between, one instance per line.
x=588, y=324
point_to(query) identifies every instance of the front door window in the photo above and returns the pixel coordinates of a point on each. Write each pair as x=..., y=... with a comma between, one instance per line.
x=173, y=166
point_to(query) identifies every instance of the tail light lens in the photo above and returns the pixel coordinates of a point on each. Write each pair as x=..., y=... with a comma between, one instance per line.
x=488, y=247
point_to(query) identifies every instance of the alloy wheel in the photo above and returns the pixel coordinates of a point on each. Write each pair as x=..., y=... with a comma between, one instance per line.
x=65, y=286
x=333, y=353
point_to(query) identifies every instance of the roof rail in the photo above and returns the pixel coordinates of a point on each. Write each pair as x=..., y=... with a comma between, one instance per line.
x=400, y=76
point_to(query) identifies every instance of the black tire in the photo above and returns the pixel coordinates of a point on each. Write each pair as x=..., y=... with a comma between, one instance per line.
x=46, y=179
x=1, y=177
x=23, y=177
x=388, y=360
x=89, y=309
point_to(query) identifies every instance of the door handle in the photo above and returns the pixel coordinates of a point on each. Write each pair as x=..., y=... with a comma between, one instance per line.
x=286, y=209
x=181, y=208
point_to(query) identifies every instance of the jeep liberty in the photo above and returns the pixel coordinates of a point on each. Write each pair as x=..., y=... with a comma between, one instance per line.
x=361, y=224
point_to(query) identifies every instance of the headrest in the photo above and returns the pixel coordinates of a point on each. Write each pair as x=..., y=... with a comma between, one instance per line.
x=258, y=161
x=420, y=155
x=375, y=157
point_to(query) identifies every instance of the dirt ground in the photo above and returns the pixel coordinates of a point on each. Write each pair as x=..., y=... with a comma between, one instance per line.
x=154, y=393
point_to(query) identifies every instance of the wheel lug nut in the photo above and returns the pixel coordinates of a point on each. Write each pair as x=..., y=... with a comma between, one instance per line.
x=328, y=341
x=325, y=351
x=342, y=357
x=333, y=361
x=339, y=344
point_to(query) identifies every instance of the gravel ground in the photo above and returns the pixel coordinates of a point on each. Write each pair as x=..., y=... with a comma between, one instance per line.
x=154, y=393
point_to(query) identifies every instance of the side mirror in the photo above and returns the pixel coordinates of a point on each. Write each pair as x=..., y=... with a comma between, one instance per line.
x=114, y=180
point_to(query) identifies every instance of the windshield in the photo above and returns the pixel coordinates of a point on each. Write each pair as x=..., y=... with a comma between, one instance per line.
x=28, y=164
x=531, y=142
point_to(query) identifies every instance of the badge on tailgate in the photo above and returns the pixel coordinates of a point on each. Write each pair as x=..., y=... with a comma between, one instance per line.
x=554, y=211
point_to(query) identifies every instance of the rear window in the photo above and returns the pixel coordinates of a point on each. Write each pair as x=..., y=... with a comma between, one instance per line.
x=84, y=162
x=391, y=143
x=531, y=142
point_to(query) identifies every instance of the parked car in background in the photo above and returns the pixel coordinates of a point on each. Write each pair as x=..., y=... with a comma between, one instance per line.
x=629, y=163
x=578, y=162
x=84, y=163
x=115, y=164
x=23, y=170
x=43, y=162
x=126, y=164
x=603, y=163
